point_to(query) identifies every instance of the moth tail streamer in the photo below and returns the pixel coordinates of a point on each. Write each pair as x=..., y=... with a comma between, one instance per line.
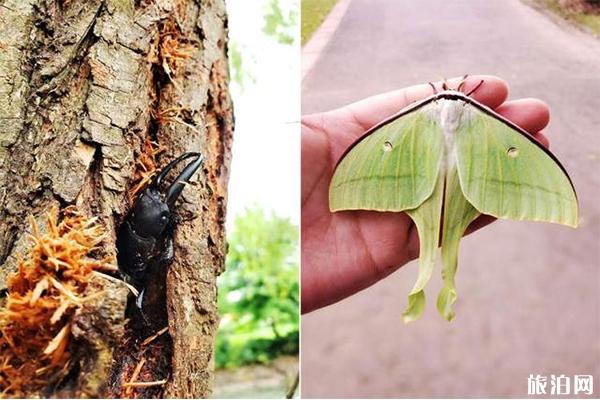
x=458, y=214
x=427, y=218
x=447, y=296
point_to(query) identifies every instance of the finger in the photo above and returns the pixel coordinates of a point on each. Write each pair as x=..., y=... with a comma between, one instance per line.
x=479, y=223
x=492, y=92
x=540, y=137
x=372, y=110
x=530, y=114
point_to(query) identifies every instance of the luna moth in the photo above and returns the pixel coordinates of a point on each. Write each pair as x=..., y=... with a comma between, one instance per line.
x=444, y=161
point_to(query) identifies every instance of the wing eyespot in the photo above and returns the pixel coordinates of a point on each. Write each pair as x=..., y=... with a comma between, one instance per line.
x=387, y=146
x=512, y=152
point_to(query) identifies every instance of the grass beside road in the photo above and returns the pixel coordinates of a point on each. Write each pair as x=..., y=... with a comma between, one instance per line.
x=585, y=13
x=313, y=14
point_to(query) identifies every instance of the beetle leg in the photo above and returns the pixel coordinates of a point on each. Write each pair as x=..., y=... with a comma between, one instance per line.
x=140, y=299
x=139, y=303
x=166, y=256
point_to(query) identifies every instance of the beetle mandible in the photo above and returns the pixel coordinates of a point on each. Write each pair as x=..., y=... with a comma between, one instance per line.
x=145, y=238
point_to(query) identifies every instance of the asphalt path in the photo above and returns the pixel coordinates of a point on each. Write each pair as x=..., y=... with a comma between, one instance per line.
x=529, y=293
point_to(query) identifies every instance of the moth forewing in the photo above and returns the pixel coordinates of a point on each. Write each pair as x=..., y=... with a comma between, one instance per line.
x=506, y=173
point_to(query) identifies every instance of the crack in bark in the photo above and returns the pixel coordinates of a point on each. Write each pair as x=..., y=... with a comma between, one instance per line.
x=74, y=60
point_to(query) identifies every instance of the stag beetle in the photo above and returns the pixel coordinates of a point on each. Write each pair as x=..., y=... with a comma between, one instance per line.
x=145, y=238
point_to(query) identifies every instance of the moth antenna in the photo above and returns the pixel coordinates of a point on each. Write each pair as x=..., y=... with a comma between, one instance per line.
x=475, y=88
x=433, y=87
x=462, y=82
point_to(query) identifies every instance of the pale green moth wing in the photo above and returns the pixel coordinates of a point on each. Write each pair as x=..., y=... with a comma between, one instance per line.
x=502, y=171
x=505, y=173
x=396, y=167
x=427, y=218
x=458, y=214
x=393, y=167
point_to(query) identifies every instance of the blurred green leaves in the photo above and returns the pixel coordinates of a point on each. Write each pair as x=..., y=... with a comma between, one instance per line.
x=259, y=291
x=279, y=24
x=236, y=62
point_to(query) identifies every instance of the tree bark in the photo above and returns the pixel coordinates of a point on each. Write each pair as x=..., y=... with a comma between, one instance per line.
x=83, y=85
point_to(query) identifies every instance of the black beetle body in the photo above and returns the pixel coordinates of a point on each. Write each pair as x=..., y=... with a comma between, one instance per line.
x=145, y=238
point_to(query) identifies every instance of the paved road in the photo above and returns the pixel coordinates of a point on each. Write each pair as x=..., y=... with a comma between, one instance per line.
x=271, y=380
x=529, y=293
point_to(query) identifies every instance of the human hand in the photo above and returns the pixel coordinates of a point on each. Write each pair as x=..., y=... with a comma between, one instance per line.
x=345, y=252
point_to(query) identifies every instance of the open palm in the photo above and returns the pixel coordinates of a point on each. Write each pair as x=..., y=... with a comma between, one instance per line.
x=345, y=252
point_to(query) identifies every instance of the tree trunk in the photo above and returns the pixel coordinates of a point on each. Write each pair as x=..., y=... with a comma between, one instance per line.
x=83, y=86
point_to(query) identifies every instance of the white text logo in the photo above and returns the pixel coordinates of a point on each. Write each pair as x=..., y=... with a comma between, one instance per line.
x=560, y=384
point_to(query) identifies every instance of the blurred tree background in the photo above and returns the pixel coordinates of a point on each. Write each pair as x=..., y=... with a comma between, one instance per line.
x=259, y=293
x=256, y=352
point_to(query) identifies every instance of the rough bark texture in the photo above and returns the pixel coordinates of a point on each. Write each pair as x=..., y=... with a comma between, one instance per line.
x=83, y=84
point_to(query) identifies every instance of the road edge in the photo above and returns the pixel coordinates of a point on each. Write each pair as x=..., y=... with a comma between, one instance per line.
x=321, y=37
x=559, y=20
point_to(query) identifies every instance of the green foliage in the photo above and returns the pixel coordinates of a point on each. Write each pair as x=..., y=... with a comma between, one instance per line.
x=279, y=24
x=259, y=291
x=313, y=14
x=572, y=10
x=239, y=74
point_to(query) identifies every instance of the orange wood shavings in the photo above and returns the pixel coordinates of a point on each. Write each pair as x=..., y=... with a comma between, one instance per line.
x=172, y=115
x=134, y=376
x=152, y=338
x=51, y=283
x=170, y=48
x=145, y=168
x=134, y=383
x=145, y=384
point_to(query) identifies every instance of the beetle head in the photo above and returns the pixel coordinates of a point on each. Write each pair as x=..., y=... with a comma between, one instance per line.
x=150, y=214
